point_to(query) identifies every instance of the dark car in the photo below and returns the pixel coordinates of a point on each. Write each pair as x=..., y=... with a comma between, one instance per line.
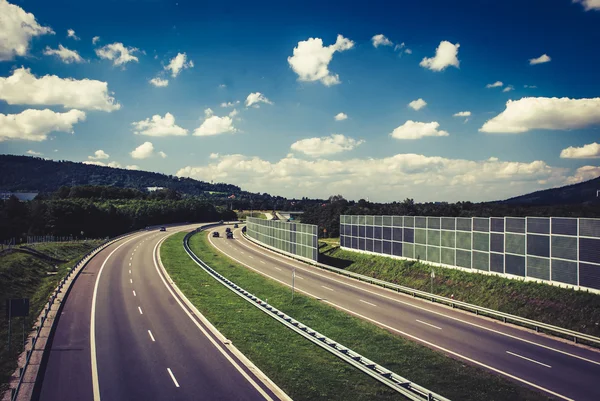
x=163, y=229
x=230, y=235
x=215, y=233
x=228, y=230
x=236, y=226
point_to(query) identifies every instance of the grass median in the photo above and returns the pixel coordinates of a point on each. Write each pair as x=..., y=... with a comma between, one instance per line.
x=575, y=310
x=303, y=370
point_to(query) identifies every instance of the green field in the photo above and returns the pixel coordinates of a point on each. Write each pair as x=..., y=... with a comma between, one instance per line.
x=27, y=276
x=303, y=370
x=575, y=310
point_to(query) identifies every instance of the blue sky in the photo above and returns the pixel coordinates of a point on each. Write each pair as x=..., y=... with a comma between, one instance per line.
x=287, y=145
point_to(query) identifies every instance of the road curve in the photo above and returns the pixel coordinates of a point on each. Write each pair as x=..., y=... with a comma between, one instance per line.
x=562, y=369
x=147, y=344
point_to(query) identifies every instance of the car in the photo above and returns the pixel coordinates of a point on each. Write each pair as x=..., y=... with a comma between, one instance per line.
x=228, y=230
x=230, y=235
x=236, y=226
x=163, y=229
x=215, y=234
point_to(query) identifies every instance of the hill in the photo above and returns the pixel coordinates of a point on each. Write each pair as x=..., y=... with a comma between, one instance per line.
x=581, y=193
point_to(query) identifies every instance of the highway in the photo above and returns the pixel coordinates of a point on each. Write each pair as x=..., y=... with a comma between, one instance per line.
x=125, y=335
x=557, y=367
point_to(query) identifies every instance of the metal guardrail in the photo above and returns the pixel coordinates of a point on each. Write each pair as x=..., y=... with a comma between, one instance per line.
x=402, y=385
x=478, y=310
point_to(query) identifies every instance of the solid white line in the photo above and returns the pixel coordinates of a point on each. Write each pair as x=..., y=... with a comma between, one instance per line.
x=428, y=324
x=151, y=336
x=140, y=309
x=173, y=377
x=368, y=303
x=134, y=294
x=95, y=383
x=327, y=288
x=411, y=336
x=528, y=359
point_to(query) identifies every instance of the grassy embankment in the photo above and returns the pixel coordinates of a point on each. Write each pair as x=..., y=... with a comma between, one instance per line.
x=303, y=370
x=27, y=276
x=575, y=310
x=256, y=214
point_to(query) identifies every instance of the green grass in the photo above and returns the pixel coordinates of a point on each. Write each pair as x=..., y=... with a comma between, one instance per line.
x=575, y=310
x=303, y=370
x=256, y=214
x=26, y=276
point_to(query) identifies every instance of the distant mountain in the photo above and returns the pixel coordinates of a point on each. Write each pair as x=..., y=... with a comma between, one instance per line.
x=582, y=193
x=24, y=173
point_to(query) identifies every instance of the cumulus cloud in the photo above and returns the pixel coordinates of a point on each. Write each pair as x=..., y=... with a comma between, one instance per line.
x=496, y=84
x=113, y=164
x=445, y=56
x=310, y=59
x=213, y=156
x=22, y=87
x=381, y=40
x=162, y=154
x=215, y=125
x=589, y=4
x=584, y=173
x=71, y=34
x=462, y=114
x=327, y=145
x=417, y=104
x=508, y=88
x=159, y=82
x=178, y=63
x=132, y=167
x=541, y=59
x=255, y=98
x=95, y=39
x=17, y=28
x=33, y=153
x=387, y=179
x=99, y=155
x=35, y=125
x=417, y=130
x=159, y=126
x=589, y=151
x=340, y=117
x=66, y=55
x=118, y=53
x=553, y=113
x=230, y=104
x=233, y=113
x=143, y=151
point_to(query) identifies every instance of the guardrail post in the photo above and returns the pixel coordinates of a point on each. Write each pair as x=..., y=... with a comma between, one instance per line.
x=537, y=329
x=575, y=339
x=503, y=319
x=477, y=311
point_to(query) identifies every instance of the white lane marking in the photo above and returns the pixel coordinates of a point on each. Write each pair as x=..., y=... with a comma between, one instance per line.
x=173, y=377
x=129, y=263
x=131, y=281
x=251, y=257
x=277, y=268
x=428, y=324
x=131, y=258
x=151, y=336
x=210, y=338
x=95, y=383
x=129, y=271
x=134, y=294
x=243, y=253
x=140, y=309
x=263, y=262
x=528, y=359
x=411, y=336
x=365, y=302
x=300, y=277
x=302, y=266
x=327, y=288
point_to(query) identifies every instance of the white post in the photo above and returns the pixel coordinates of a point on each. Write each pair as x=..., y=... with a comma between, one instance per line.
x=293, y=279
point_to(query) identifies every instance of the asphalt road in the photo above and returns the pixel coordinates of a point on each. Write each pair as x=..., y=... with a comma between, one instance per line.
x=556, y=367
x=147, y=345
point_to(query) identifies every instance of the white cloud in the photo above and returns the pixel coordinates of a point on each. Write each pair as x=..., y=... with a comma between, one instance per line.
x=214, y=125
x=508, y=88
x=401, y=46
x=417, y=130
x=95, y=39
x=35, y=125
x=143, y=151
x=340, y=116
x=589, y=4
x=159, y=82
x=425, y=178
x=310, y=59
x=162, y=154
x=178, y=63
x=445, y=56
x=22, y=87
x=553, y=113
x=584, y=173
x=417, y=104
x=496, y=84
x=159, y=126
x=118, y=53
x=381, y=40
x=255, y=98
x=17, y=27
x=34, y=153
x=71, y=34
x=462, y=114
x=327, y=145
x=530, y=86
x=113, y=164
x=99, y=155
x=233, y=113
x=407, y=51
x=541, y=59
x=214, y=156
x=66, y=55
x=230, y=104
x=589, y=151
x=132, y=167
x=222, y=86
